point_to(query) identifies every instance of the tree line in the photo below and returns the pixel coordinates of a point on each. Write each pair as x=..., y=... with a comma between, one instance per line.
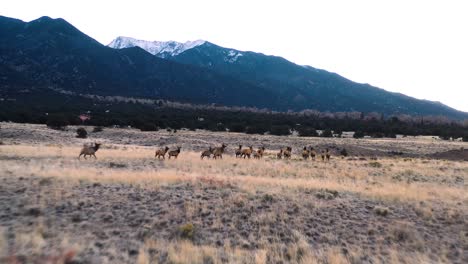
x=151, y=117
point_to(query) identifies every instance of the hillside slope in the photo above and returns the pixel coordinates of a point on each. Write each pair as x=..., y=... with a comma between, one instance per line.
x=50, y=53
x=299, y=87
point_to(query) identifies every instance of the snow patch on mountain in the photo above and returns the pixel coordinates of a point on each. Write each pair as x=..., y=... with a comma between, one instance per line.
x=159, y=48
x=232, y=56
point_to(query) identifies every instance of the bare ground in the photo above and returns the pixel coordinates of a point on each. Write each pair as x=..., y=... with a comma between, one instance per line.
x=455, y=154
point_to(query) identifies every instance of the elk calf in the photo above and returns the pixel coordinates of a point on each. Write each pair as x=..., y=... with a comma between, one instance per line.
x=312, y=153
x=174, y=153
x=256, y=155
x=207, y=153
x=287, y=153
x=239, y=152
x=305, y=153
x=279, y=155
x=89, y=150
x=161, y=153
x=259, y=153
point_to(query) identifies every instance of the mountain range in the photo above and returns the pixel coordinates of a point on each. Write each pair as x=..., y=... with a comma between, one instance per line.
x=50, y=55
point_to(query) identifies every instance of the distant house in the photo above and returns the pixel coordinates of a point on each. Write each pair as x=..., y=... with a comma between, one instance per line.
x=347, y=134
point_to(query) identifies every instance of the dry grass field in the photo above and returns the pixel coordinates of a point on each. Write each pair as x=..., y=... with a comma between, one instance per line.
x=389, y=201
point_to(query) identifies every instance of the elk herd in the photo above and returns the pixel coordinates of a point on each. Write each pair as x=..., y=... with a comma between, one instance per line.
x=217, y=152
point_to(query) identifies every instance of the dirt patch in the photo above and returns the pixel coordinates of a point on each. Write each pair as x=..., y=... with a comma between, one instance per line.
x=456, y=154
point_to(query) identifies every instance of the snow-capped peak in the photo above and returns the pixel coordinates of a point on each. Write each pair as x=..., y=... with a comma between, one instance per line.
x=159, y=48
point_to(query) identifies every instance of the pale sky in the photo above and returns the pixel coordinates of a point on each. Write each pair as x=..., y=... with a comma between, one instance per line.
x=415, y=47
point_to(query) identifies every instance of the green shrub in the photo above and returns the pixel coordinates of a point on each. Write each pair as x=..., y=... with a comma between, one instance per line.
x=326, y=194
x=378, y=135
x=148, y=127
x=81, y=133
x=98, y=129
x=382, y=211
x=256, y=130
x=327, y=133
x=344, y=152
x=237, y=127
x=375, y=164
x=280, y=130
x=187, y=231
x=267, y=198
x=220, y=127
x=307, y=132
x=57, y=122
x=359, y=134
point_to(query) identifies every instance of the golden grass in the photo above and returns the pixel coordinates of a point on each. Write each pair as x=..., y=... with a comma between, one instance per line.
x=391, y=180
x=3, y=242
x=32, y=245
x=183, y=251
x=299, y=252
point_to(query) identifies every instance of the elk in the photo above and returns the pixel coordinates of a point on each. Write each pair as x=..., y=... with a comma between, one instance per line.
x=247, y=152
x=322, y=154
x=218, y=152
x=312, y=153
x=259, y=153
x=207, y=153
x=287, y=153
x=161, y=153
x=89, y=150
x=279, y=155
x=327, y=154
x=174, y=153
x=305, y=153
x=256, y=155
x=239, y=152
